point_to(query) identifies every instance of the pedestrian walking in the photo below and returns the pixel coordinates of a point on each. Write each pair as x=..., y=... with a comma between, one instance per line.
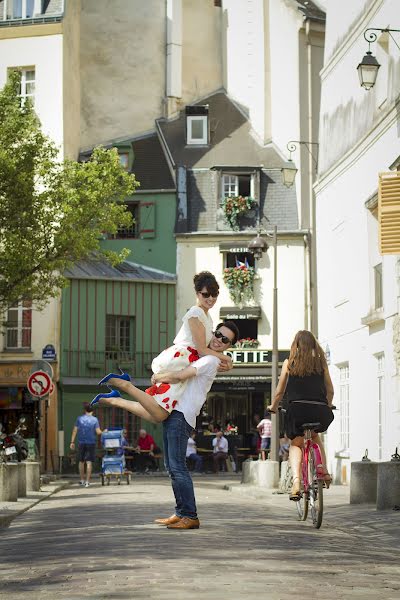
x=86, y=428
x=265, y=430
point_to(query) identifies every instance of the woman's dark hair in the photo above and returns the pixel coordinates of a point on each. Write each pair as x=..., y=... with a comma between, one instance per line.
x=207, y=280
x=306, y=355
x=233, y=327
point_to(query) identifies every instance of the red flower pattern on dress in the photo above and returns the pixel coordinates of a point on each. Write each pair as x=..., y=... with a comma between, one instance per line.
x=174, y=403
x=158, y=389
x=177, y=354
x=194, y=355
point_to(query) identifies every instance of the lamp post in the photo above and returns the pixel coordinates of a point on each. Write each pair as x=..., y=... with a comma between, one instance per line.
x=289, y=170
x=369, y=66
x=257, y=246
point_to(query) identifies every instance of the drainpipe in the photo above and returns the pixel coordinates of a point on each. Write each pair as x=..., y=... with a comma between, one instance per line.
x=173, y=87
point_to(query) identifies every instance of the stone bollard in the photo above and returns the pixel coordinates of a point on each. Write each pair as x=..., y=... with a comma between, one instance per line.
x=32, y=476
x=21, y=480
x=263, y=473
x=363, y=481
x=8, y=482
x=388, y=489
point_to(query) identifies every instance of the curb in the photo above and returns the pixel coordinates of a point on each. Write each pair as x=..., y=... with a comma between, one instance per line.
x=8, y=513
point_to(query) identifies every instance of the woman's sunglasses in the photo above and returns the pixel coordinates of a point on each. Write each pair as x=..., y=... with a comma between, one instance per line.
x=208, y=294
x=223, y=338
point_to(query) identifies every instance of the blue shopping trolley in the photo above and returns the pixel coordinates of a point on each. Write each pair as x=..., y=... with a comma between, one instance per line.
x=113, y=461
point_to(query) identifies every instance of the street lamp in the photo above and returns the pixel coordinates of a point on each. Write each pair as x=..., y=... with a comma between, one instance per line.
x=257, y=246
x=369, y=66
x=289, y=170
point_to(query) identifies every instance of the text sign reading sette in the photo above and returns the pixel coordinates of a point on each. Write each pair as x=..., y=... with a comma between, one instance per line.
x=39, y=384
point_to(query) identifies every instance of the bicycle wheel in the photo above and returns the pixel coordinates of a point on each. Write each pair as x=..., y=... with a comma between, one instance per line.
x=302, y=504
x=316, y=492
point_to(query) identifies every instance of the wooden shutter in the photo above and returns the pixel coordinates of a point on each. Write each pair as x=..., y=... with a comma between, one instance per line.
x=147, y=220
x=389, y=212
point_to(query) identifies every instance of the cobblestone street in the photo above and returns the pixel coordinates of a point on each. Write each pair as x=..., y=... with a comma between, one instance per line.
x=100, y=543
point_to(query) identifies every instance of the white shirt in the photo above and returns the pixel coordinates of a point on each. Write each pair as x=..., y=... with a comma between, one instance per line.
x=191, y=447
x=220, y=444
x=195, y=393
x=184, y=335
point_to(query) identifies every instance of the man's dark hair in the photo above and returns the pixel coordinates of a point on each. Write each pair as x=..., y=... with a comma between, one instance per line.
x=87, y=407
x=207, y=280
x=233, y=327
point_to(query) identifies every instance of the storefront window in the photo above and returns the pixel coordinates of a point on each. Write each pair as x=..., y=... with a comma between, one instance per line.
x=19, y=326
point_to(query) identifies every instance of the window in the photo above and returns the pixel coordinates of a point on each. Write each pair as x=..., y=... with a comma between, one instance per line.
x=248, y=328
x=237, y=259
x=132, y=231
x=19, y=326
x=124, y=160
x=380, y=358
x=27, y=85
x=197, y=129
x=22, y=9
x=119, y=337
x=344, y=406
x=378, y=287
x=237, y=185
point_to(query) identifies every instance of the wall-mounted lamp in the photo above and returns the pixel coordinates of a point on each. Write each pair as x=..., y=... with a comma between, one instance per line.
x=369, y=66
x=289, y=170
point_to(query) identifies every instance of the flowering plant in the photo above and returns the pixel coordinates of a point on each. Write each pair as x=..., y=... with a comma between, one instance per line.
x=247, y=343
x=235, y=207
x=239, y=281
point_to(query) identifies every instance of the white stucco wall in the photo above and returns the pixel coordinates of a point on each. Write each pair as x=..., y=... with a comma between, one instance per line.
x=194, y=255
x=359, y=138
x=45, y=54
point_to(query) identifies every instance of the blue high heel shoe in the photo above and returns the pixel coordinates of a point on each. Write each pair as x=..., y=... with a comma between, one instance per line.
x=111, y=394
x=122, y=375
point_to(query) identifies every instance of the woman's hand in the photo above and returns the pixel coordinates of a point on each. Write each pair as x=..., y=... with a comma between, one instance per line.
x=226, y=360
x=272, y=408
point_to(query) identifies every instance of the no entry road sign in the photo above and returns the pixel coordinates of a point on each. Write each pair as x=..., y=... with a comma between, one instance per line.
x=39, y=384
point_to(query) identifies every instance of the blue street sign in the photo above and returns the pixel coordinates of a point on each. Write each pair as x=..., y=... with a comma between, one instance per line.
x=49, y=352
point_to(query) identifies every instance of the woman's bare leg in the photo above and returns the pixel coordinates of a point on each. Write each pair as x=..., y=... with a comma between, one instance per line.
x=148, y=403
x=131, y=406
x=317, y=438
x=295, y=457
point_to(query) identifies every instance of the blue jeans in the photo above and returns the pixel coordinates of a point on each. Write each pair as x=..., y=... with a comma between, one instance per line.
x=176, y=433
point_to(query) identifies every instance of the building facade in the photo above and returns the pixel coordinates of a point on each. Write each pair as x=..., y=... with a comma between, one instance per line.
x=358, y=287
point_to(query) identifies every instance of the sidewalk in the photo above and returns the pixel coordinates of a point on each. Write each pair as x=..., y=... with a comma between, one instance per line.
x=10, y=510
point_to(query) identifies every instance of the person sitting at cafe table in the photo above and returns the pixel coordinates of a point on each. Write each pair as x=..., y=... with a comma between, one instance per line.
x=220, y=450
x=191, y=453
x=145, y=449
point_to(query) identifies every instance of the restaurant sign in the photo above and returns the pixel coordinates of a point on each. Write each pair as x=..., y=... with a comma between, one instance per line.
x=252, y=356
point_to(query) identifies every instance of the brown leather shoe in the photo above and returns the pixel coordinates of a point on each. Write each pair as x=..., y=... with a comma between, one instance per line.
x=169, y=521
x=185, y=523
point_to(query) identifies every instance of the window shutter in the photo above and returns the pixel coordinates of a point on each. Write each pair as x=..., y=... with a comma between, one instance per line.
x=389, y=212
x=147, y=220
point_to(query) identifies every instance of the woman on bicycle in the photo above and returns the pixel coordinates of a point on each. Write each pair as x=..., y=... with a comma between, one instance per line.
x=305, y=379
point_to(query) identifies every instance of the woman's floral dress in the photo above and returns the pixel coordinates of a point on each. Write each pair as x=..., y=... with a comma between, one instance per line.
x=177, y=357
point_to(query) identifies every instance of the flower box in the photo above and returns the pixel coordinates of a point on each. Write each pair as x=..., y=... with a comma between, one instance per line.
x=234, y=207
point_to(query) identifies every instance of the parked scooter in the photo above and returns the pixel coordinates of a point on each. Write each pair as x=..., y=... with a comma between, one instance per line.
x=14, y=445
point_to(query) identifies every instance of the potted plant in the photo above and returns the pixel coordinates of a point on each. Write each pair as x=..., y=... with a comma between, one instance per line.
x=239, y=281
x=234, y=207
x=247, y=343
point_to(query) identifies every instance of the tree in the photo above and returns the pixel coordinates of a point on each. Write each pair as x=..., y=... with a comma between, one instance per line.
x=52, y=213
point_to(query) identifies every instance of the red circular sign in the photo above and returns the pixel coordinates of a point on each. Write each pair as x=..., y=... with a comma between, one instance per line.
x=39, y=384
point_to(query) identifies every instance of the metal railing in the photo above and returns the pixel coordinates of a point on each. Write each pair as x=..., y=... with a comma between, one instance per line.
x=81, y=363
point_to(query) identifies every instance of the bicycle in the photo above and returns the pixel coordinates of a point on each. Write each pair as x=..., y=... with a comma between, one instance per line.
x=313, y=481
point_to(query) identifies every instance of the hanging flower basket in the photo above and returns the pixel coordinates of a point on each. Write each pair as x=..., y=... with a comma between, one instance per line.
x=235, y=207
x=239, y=281
x=247, y=343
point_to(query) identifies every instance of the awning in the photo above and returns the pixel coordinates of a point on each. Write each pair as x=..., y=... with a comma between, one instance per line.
x=245, y=374
x=233, y=312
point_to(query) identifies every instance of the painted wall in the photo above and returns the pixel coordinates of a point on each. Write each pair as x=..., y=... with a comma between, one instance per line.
x=197, y=253
x=158, y=252
x=71, y=79
x=122, y=68
x=45, y=53
x=348, y=245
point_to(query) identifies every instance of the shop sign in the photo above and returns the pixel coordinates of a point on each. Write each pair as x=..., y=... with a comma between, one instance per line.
x=49, y=352
x=17, y=373
x=255, y=356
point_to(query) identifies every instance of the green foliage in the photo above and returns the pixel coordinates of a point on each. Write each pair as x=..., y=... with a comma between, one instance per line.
x=235, y=207
x=240, y=282
x=52, y=213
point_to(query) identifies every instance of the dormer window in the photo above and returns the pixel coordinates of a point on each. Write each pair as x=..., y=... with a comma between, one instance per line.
x=197, y=125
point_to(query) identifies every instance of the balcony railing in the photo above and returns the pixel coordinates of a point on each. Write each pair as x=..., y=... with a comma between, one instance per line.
x=77, y=363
